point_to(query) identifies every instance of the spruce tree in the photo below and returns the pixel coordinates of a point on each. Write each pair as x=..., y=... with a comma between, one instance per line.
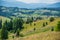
x=17, y=33
x=0, y=23
x=4, y=32
x=18, y=24
x=10, y=25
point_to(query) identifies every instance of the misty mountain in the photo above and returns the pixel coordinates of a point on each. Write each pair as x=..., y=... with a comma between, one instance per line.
x=55, y=5
x=22, y=5
x=25, y=5
x=13, y=4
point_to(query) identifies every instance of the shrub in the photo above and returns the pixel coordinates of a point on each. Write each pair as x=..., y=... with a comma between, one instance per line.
x=34, y=24
x=52, y=29
x=51, y=19
x=46, y=23
x=29, y=20
x=21, y=35
x=43, y=24
x=12, y=36
x=34, y=29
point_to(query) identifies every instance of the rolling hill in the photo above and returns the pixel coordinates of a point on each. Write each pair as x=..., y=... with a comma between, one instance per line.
x=39, y=34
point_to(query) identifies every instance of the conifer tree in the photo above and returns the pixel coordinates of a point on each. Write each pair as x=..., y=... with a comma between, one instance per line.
x=0, y=24
x=4, y=32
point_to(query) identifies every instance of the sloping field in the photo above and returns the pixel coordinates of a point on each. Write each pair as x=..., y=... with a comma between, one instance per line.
x=40, y=33
x=39, y=26
x=4, y=18
x=44, y=36
x=41, y=36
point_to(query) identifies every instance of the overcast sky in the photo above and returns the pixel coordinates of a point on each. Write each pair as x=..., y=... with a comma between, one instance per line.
x=36, y=1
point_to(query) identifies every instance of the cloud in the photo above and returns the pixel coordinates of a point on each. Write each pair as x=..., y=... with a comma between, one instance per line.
x=39, y=1
x=36, y=1
x=29, y=1
x=9, y=0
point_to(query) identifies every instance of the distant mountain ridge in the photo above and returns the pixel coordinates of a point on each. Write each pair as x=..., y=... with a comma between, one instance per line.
x=55, y=5
x=32, y=5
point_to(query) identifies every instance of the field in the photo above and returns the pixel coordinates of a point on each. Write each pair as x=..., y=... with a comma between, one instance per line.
x=41, y=36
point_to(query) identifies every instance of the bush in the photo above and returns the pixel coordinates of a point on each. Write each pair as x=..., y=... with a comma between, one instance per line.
x=51, y=19
x=52, y=29
x=21, y=35
x=29, y=20
x=12, y=36
x=34, y=29
x=34, y=24
x=44, y=25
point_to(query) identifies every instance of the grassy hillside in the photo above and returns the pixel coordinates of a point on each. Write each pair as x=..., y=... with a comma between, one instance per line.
x=40, y=33
x=29, y=28
x=4, y=19
x=36, y=31
x=43, y=36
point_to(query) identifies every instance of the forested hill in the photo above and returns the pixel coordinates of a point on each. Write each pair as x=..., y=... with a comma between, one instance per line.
x=25, y=12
